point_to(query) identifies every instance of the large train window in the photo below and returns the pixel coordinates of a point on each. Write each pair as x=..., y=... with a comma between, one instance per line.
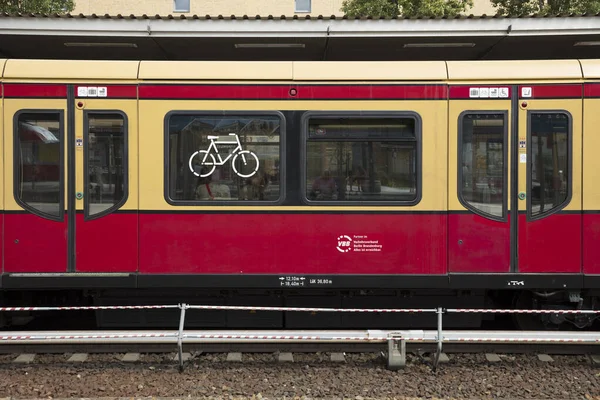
x=549, y=167
x=362, y=158
x=105, y=162
x=223, y=157
x=482, y=162
x=38, y=158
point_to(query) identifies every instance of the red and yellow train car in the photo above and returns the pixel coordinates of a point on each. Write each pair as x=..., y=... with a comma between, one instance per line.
x=347, y=184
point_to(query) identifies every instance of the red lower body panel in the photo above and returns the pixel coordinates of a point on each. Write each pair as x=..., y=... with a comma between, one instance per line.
x=591, y=243
x=292, y=243
x=301, y=244
x=551, y=244
x=34, y=244
x=107, y=244
x=477, y=244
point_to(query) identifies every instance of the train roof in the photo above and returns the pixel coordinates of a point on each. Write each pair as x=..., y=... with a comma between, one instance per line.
x=281, y=38
x=302, y=71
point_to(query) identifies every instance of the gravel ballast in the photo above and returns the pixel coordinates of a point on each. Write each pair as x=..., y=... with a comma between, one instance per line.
x=362, y=376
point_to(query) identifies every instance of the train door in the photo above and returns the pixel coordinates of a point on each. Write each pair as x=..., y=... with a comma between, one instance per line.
x=36, y=159
x=106, y=202
x=549, y=187
x=479, y=220
x=74, y=203
x=515, y=202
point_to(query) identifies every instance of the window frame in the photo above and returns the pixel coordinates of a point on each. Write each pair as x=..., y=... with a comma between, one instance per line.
x=459, y=158
x=177, y=10
x=302, y=11
x=304, y=126
x=86, y=178
x=16, y=168
x=569, y=197
x=228, y=113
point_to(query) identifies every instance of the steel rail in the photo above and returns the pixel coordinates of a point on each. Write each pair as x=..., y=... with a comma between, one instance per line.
x=396, y=339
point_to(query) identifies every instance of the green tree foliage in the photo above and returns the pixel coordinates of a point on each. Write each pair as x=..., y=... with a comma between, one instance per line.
x=36, y=6
x=406, y=8
x=552, y=7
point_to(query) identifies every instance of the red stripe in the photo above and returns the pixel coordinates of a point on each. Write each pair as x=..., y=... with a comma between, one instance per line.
x=302, y=92
x=115, y=91
x=591, y=90
x=463, y=92
x=552, y=91
x=34, y=90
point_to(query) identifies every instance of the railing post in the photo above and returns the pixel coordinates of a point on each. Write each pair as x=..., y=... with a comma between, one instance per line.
x=183, y=307
x=440, y=312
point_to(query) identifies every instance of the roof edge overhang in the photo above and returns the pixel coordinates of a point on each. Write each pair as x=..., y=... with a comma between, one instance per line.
x=119, y=26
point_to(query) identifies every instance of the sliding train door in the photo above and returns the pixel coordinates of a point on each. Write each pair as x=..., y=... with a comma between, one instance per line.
x=549, y=165
x=515, y=200
x=35, y=221
x=480, y=205
x=105, y=172
x=70, y=165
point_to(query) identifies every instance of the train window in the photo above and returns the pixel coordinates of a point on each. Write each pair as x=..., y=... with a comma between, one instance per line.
x=105, y=162
x=223, y=158
x=362, y=159
x=549, y=162
x=39, y=163
x=482, y=161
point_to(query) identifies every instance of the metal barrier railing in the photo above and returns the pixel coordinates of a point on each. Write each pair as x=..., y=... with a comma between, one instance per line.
x=396, y=339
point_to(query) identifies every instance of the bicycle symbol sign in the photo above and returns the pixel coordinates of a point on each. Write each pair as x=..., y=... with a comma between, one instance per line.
x=249, y=159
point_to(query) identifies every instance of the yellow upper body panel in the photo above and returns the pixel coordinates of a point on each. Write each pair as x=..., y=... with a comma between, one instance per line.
x=370, y=71
x=215, y=70
x=514, y=70
x=590, y=69
x=336, y=71
x=2, y=64
x=71, y=70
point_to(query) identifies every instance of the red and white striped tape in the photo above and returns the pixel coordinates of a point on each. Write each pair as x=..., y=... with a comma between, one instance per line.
x=308, y=309
x=288, y=337
x=523, y=340
x=301, y=309
x=70, y=337
x=509, y=311
x=84, y=308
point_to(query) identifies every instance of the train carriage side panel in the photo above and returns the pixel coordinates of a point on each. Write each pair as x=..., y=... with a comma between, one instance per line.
x=2, y=169
x=591, y=167
x=311, y=138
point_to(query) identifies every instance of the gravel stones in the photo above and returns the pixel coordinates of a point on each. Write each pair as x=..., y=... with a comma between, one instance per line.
x=260, y=376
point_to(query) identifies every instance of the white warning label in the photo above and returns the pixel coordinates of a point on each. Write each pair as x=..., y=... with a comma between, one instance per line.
x=358, y=244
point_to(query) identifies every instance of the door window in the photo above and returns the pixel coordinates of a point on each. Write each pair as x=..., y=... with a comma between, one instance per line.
x=106, y=162
x=549, y=162
x=39, y=163
x=482, y=160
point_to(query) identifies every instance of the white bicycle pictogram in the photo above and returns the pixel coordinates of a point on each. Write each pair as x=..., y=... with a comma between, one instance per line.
x=247, y=157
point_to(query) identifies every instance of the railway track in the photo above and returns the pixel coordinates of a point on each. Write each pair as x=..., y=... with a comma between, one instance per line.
x=370, y=341
x=253, y=372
